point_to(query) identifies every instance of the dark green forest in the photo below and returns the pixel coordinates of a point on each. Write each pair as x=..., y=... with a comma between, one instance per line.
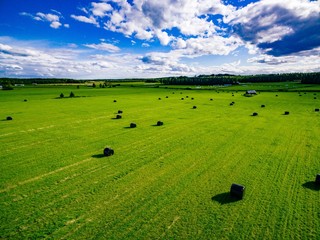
x=214, y=79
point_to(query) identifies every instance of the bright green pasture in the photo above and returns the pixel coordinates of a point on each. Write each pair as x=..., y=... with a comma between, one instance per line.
x=168, y=182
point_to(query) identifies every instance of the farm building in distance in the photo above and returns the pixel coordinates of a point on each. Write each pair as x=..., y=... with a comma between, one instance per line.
x=252, y=92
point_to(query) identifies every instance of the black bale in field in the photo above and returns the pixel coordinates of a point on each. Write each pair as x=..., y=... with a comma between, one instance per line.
x=192, y=98
x=263, y=106
x=255, y=114
x=182, y=98
x=211, y=99
x=159, y=123
x=318, y=179
x=159, y=98
x=25, y=100
x=114, y=100
x=9, y=118
x=316, y=110
x=118, y=116
x=237, y=190
x=120, y=111
x=194, y=107
x=133, y=125
x=108, y=152
x=286, y=113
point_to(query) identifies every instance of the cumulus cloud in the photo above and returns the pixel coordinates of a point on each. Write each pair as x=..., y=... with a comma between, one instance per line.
x=279, y=28
x=104, y=47
x=85, y=19
x=53, y=19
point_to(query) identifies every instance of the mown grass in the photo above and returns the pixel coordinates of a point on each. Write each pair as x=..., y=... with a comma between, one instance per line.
x=167, y=182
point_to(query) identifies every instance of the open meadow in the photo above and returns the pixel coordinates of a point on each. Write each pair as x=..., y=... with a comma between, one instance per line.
x=163, y=182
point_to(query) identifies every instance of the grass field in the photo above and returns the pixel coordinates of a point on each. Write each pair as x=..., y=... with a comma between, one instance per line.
x=167, y=182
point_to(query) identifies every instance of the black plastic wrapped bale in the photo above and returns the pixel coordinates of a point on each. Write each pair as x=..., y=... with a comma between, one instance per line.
x=120, y=111
x=118, y=116
x=159, y=98
x=237, y=190
x=9, y=118
x=316, y=110
x=192, y=98
x=211, y=99
x=159, y=123
x=318, y=179
x=286, y=113
x=263, y=106
x=182, y=98
x=255, y=114
x=114, y=100
x=194, y=107
x=108, y=152
x=133, y=125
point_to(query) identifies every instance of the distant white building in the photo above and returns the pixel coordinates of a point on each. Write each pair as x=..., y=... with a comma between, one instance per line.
x=0, y=87
x=19, y=85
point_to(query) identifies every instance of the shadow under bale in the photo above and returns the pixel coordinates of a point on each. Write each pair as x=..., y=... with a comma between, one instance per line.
x=311, y=185
x=108, y=152
x=98, y=155
x=224, y=198
x=9, y=118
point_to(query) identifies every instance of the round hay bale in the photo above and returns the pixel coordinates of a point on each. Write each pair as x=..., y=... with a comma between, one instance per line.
x=314, y=98
x=187, y=96
x=263, y=105
x=120, y=111
x=25, y=100
x=192, y=98
x=316, y=110
x=159, y=98
x=231, y=104
x=9, y=118
x=276, y=95
x=159, y=123
x=211, y=99
x=167, y=97
x=300, y=95
x=133, y=125
x=286, y=113
x=182, y=98
x=108, y=152
x=237, y=191
x=114, y=100
x=194, y=107
x=255, y=114
x=118, y=116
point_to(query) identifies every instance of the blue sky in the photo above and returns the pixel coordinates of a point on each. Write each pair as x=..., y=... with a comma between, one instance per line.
x=150, y=38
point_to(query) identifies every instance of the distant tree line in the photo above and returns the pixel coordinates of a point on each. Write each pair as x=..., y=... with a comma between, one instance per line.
x=214, y=79
x=222, y=79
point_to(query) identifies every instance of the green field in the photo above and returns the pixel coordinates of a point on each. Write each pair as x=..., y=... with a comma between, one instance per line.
x=163, y=182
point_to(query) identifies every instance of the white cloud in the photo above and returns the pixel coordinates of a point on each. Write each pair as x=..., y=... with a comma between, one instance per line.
x=53, y=19
x=278, y=27
x=100, y=9
x=55, y=25
x=85, y=19
x=104, y=47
